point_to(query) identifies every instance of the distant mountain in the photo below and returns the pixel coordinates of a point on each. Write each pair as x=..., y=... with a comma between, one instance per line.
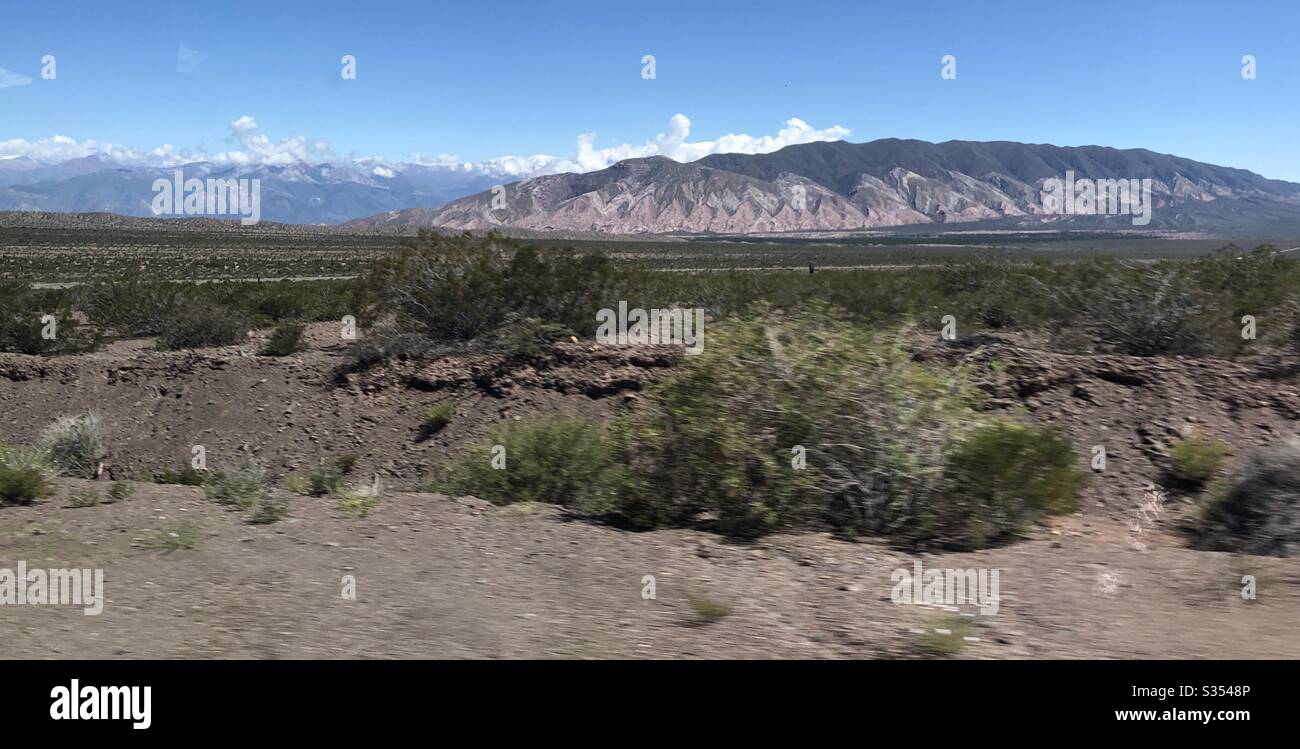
x=23, y=170
x=654, y=194
x=846, y=186
x=299, y=193
x=823, y=186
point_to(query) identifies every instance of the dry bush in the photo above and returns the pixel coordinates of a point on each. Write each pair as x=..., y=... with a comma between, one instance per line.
x=1257, y=511
x=75, y=444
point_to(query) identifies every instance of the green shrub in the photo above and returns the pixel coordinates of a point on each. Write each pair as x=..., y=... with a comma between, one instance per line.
x=1141, y=311
x=241, y=488
x=1232, y=283
x=712, y=438
x=987, y=288
x=347, y=462
x=20, y=486
x=708, y=609
x=85, y=498
x=29, y=458
x=999, y=478
x=358, y=503
x=381, y=344
x=180, y=535
x=891, y=446
x=945, y=635
x=120, y=490
x=557, y=460
x=23, y=333
x=199, y=324
x=270, y=509
x=326, y=479
x=1196, y=459
x=285, y=340
x=26, y=475
x=879, y=432
x=526, y=337
x=437, y=417
x=279, y=303
x=131, y=306
x=23, y=312
x=458, y=288
x=1257, y=510
x=462, y=289
x=75, y=444
x=187, y=476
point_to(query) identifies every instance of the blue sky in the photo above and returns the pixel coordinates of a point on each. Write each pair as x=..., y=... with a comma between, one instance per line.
x=489, y=79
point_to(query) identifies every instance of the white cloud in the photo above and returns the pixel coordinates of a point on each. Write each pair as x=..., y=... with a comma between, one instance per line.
x=519, y=166
x=256, y=148
x=442, y=159
x=673, y=143
x=9, y=79
x=796, y=131
x=58, y=148
x=252, y=147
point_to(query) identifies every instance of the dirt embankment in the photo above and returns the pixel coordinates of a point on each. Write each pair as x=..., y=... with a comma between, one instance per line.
x=1134, y=408
x=292, y=413
x=442, y=577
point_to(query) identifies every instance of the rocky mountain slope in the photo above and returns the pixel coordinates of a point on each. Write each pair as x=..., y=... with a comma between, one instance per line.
x=847, y=186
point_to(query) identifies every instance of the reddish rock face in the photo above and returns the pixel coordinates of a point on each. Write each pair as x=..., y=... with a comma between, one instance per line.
x=849, y=187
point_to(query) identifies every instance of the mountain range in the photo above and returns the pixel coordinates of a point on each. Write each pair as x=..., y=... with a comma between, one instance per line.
x=294, y=193
x=844, y=186
x=821, y=186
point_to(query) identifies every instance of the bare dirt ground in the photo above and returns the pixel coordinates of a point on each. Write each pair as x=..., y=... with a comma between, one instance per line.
x=292, y=413
x=440, y=577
